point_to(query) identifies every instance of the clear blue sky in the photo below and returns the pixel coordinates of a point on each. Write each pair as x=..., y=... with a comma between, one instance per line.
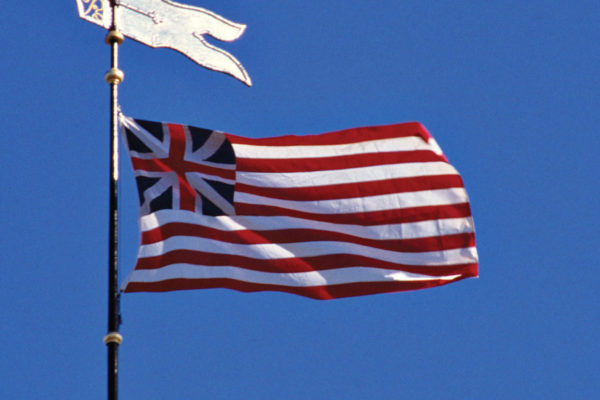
x=509, y=89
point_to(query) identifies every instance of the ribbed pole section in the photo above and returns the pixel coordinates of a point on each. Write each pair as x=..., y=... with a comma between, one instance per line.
x=113, y=338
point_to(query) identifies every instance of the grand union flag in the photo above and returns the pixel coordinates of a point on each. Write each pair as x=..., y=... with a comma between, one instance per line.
x=348, y=213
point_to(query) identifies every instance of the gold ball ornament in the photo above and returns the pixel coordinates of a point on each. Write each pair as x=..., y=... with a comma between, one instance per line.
x=114, y=37
x=114, y=76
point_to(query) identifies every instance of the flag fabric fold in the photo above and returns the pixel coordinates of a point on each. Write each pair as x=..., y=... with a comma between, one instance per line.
x=360, y=211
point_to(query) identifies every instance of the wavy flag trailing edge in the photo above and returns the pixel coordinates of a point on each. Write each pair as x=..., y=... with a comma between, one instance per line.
x=164, y=23
x=355, y=212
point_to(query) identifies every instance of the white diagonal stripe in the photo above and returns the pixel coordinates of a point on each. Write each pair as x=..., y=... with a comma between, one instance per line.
x=211, y=194
x=208, y=148
x=159, y=149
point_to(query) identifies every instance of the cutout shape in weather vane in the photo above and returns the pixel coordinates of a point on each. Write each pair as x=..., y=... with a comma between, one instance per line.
x=164, y=23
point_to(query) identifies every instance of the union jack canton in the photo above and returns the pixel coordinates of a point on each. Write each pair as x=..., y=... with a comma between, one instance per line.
x=181, y=167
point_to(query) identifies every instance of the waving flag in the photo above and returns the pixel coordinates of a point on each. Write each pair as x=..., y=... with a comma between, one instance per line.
x=164, y=23
x=354, y=212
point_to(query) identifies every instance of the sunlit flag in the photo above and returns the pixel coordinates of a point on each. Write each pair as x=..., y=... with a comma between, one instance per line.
x=360, y=211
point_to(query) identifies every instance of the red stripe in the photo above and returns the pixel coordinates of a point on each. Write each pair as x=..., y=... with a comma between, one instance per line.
x=161, y=165
x=187, y=195
x=314, y=292
x=396, y=216
x=354, y=135
x=355, y=190
x=417, y=245
x=295, y=264
x=336, y=162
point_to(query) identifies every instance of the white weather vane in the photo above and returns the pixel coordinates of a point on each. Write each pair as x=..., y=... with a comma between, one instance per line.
x=164, y=23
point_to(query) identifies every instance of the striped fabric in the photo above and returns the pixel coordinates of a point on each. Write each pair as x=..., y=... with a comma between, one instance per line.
x=348, y=213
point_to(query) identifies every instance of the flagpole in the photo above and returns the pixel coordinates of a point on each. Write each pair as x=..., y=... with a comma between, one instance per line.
x=113, y=338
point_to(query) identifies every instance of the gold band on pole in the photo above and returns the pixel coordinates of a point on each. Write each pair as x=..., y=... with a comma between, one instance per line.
x=113, y=337
x=114, y=76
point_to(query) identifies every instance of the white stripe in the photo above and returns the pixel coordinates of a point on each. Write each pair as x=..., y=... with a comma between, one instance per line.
x=274, y=251
x=363, y=204
x=410, y=143
x=349, y=175
x=297, y=279
x=435, y=147
x=409, y=230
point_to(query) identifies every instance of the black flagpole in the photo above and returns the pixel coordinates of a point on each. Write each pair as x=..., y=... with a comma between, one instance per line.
x=113, y=338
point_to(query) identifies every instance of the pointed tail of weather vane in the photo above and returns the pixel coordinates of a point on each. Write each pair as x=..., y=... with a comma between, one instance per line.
x=164, y=23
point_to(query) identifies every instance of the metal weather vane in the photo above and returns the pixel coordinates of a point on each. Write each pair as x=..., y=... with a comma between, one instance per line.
x=156, y=23
x=164, y=23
